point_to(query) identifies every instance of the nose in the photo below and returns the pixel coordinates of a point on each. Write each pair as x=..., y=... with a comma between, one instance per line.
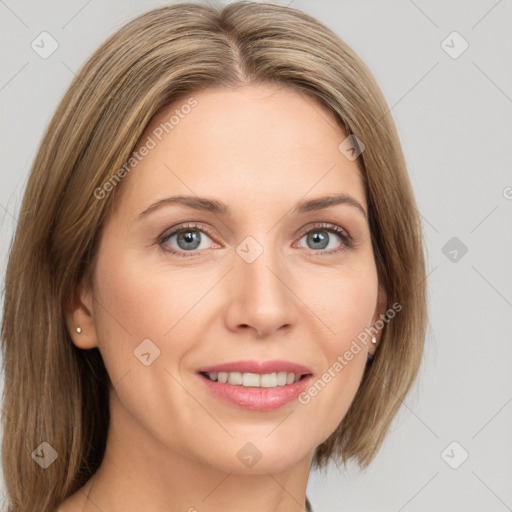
x=261, y=297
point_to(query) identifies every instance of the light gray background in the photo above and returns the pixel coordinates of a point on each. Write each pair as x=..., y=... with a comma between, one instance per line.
x=454, y=120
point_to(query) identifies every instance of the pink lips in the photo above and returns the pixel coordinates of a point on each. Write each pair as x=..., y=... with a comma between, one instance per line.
x=257, y=398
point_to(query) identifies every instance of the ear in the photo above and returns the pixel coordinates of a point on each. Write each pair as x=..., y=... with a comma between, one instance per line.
x=80, y=314
x=382, y=300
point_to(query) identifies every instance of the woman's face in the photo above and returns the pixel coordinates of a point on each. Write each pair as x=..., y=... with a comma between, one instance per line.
x=219, y=262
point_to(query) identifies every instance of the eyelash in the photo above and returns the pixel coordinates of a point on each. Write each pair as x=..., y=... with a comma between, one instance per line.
x=347, y=240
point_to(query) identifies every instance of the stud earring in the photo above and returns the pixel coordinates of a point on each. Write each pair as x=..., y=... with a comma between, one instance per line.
x=374, y=340
x=78, y=330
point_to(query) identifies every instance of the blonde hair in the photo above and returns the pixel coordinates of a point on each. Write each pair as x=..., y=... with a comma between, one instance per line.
x=57, y=393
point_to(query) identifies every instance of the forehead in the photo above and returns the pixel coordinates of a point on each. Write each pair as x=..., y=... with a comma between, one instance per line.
x=253, y=144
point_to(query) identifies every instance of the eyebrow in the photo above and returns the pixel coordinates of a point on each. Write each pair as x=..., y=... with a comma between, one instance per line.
x=217, y=207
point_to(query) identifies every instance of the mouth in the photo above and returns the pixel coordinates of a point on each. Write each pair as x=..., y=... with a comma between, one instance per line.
x=258, y=386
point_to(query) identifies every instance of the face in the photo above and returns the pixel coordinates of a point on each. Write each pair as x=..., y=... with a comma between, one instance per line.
x=219, y=262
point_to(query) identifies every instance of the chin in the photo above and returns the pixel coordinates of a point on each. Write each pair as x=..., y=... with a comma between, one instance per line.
x=262, y=454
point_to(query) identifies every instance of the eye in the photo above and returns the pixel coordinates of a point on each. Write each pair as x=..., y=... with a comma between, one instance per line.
x=190, y=238
x=327, y=238
x=185, y=239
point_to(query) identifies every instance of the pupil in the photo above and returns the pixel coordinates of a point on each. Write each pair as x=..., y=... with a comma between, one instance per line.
x=190, y=240
x=320, y=238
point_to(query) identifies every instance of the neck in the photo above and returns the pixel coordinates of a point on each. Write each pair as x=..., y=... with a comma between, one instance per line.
x=139, y=473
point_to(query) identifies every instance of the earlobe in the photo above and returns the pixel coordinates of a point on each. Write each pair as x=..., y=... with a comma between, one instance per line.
x=377, y=321
x=80, y=319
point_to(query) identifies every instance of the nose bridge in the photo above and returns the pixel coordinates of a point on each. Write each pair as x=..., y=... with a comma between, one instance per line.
x=260, y=276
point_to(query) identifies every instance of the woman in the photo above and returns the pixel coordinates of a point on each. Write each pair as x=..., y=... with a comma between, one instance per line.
x=217, y=277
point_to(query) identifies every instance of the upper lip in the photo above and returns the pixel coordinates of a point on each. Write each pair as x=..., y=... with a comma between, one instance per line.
x=261, y=367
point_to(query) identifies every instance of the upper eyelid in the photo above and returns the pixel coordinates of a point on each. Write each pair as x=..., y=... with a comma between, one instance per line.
x=186, y=225
x=329, y=226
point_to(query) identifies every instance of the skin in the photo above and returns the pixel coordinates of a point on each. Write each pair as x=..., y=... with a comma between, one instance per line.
x=172, y=444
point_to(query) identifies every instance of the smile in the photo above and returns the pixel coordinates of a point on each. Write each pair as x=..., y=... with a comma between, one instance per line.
x=256, y=385
x=254, y=380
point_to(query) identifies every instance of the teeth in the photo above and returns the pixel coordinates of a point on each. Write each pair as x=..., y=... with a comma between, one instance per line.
x=235, y=378
x=251, y=380
x=269, y=380
x=281, y=379
x=254, y=380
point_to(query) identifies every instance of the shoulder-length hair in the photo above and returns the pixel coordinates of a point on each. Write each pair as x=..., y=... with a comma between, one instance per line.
x=57, y=393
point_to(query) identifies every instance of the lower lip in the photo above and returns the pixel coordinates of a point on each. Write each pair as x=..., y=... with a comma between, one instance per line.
x=257, y=399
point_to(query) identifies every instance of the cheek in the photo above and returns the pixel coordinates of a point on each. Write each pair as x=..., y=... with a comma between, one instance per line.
x=334, y=386
x=128, y=309
x=138, y=300
x=346, y=306
x=135, y=314
x=345, y=302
